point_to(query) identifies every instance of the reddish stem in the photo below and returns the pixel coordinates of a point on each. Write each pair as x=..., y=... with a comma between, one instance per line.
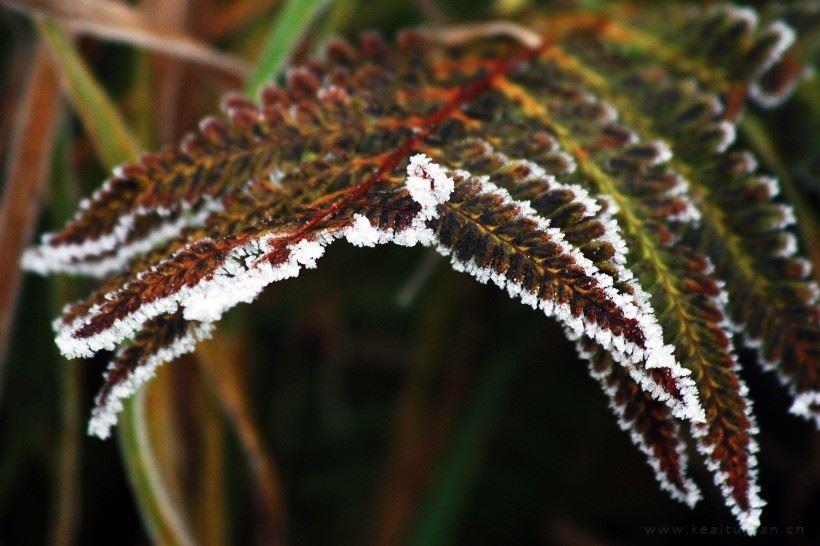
x=422, y=130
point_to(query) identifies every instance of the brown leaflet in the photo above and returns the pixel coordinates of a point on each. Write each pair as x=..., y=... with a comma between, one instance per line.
x=161, y=340
x=586, y=223
x=497, y=239
x=356, y=109
x=649, y=422
x=199, y=262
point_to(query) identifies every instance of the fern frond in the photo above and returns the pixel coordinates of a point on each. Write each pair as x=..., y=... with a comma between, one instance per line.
x=590, y=177
x=744, y=229
x=655, y=215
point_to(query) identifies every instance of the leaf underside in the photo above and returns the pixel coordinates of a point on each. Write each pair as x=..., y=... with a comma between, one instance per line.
x=592, y=177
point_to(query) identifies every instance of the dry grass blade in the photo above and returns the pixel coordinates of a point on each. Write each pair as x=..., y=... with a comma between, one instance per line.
x=66, y=504
x=209, y=511
x=460, y=34
x=206, y=464
x=232, y=17
x=171, y=16
x=14, y=77
x=418, y=430
x=221, y=359
x=118, y=22
x=161, y=517
x=30, y=153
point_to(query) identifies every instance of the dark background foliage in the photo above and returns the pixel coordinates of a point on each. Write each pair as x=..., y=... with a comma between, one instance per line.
x=457, y=418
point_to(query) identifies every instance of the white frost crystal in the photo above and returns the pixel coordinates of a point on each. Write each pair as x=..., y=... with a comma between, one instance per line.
x=805, y=405
x=428, y=183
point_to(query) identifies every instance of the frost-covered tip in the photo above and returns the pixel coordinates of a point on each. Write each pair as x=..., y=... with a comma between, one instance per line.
x=728, y=135
x=112, y=252
x=785, y=38
x=749, y=519
x=687, y=492
x=428, y=184
x=807, y=405
x=104, y=416
x=664, y=152
x=736, y=13
x=687, y=408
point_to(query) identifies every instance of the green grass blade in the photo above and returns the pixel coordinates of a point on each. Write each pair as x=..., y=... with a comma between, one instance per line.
x=112, y=140
x=293, y=20
x=164, y=523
